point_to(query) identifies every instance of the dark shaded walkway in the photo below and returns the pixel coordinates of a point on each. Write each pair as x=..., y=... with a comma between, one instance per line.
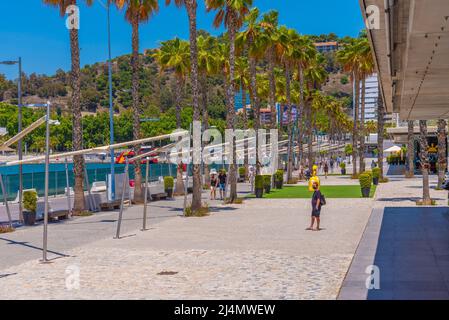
x=411, y=248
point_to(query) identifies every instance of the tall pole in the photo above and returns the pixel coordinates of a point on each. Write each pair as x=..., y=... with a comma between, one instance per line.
x=145, y=203
x=111, y=107
x=19, y=146
x=47, y=161
x=69, y=204
x=125, y=184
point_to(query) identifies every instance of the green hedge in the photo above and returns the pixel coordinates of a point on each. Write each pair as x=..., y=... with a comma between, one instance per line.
x=267, y=180
x=279, y=175
x=169, y=182
x=242, y=171
x=366, y=180
x=30, y=200
x=343, y=165
x=259, y=182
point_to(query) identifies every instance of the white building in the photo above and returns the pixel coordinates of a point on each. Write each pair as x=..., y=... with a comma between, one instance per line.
x=371, y=97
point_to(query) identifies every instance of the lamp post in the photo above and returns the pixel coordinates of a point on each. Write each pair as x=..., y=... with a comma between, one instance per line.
x=19, y=118
x=111, y=104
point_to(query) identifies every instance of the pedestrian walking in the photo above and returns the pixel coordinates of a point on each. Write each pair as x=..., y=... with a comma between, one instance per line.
x=318, y=201
x=222, y=183
x=326, y=169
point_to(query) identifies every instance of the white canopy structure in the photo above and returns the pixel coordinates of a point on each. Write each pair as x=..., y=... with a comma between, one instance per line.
x=393, y=149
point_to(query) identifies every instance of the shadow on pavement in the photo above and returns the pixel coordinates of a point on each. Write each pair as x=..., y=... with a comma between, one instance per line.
x=27, y=245
x=412, y=254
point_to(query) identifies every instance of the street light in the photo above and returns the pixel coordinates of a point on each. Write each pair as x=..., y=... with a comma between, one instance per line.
x=19, y=146
x=111, y=106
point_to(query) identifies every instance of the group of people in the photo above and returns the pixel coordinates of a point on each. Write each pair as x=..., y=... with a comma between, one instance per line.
x=217, y=181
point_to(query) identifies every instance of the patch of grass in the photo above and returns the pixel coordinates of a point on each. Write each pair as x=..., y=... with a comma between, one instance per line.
x=202, y=212
x=6, y=229
x=330, y=192
x=83, y=214
x=236, y=201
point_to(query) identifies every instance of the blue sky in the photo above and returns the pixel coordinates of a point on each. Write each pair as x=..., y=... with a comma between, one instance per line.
x=37, y=32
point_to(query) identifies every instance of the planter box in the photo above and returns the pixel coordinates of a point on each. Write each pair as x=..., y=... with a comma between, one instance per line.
x=267, y=189
x=29, y=218
x=366, y=192
x=169, y=193
x=376, y=181
x=343, y=171
x=278, y=184
x=259, y=193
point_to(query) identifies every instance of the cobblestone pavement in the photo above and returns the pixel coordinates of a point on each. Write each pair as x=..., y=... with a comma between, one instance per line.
x=200, y=274
x=258, y=250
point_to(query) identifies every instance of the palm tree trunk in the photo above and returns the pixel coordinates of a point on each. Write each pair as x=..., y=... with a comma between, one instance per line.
x=138, y=196
x=362, y=129
x=254, y=99
x=230, y=121
x=197, y=181
x=442, y=153
x=178, y=97
x=424, y=157
x=300, y=115
x=78, y=161
x=204, y=100
x=245, y=127
x=290, y=125
x=380, y=135
x=309, y=137
x=355, y=128
x=272, y=94
x=179, y=188
x=411, y=149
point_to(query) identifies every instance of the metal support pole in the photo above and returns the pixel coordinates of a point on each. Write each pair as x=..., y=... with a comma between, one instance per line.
x=5, y=199
x=111, y=107
x=47, y=163
x=145, y=202
x=120, y=216
x=19, y=143
x=69, y=202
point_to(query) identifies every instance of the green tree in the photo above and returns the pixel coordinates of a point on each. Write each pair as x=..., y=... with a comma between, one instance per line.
x=137, y=12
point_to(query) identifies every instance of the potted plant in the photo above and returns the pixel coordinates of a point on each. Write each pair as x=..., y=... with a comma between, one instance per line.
x=242, y=174
x=267, y=183
x=343, y=168
x=365, y=179
x=258, y=184
x=279, y=179
x=376, y=176
x=169, y=183
x=30, y=205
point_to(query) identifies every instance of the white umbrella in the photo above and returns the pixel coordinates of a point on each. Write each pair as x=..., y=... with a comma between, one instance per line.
x=393, y=149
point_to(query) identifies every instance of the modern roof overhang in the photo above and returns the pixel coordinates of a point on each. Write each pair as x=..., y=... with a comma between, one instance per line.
x=411, y=50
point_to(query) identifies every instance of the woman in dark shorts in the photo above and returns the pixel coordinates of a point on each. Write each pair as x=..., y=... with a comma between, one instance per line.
x=316, y=208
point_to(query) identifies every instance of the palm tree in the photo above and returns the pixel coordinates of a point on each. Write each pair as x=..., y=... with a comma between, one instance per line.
x=175, y=55
x=411, y=149
x=250, y=39
x=191, y=6
x=285, y=52
x=442, y=152
x=231, y=13
x=137, y=12
x=269, y=23
x=366, y=69
x=242, y=83
x=303, y=52
x=78, y=161
x=424, y=159
x=349, y=58
x=208, y=65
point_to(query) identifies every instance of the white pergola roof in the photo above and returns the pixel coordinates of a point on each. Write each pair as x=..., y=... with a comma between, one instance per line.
x=411, y=51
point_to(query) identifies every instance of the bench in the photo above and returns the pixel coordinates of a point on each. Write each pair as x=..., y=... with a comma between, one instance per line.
x=109, y=206
x=61, y=214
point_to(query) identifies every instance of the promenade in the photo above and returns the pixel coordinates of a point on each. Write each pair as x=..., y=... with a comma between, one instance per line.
x=257, y=250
